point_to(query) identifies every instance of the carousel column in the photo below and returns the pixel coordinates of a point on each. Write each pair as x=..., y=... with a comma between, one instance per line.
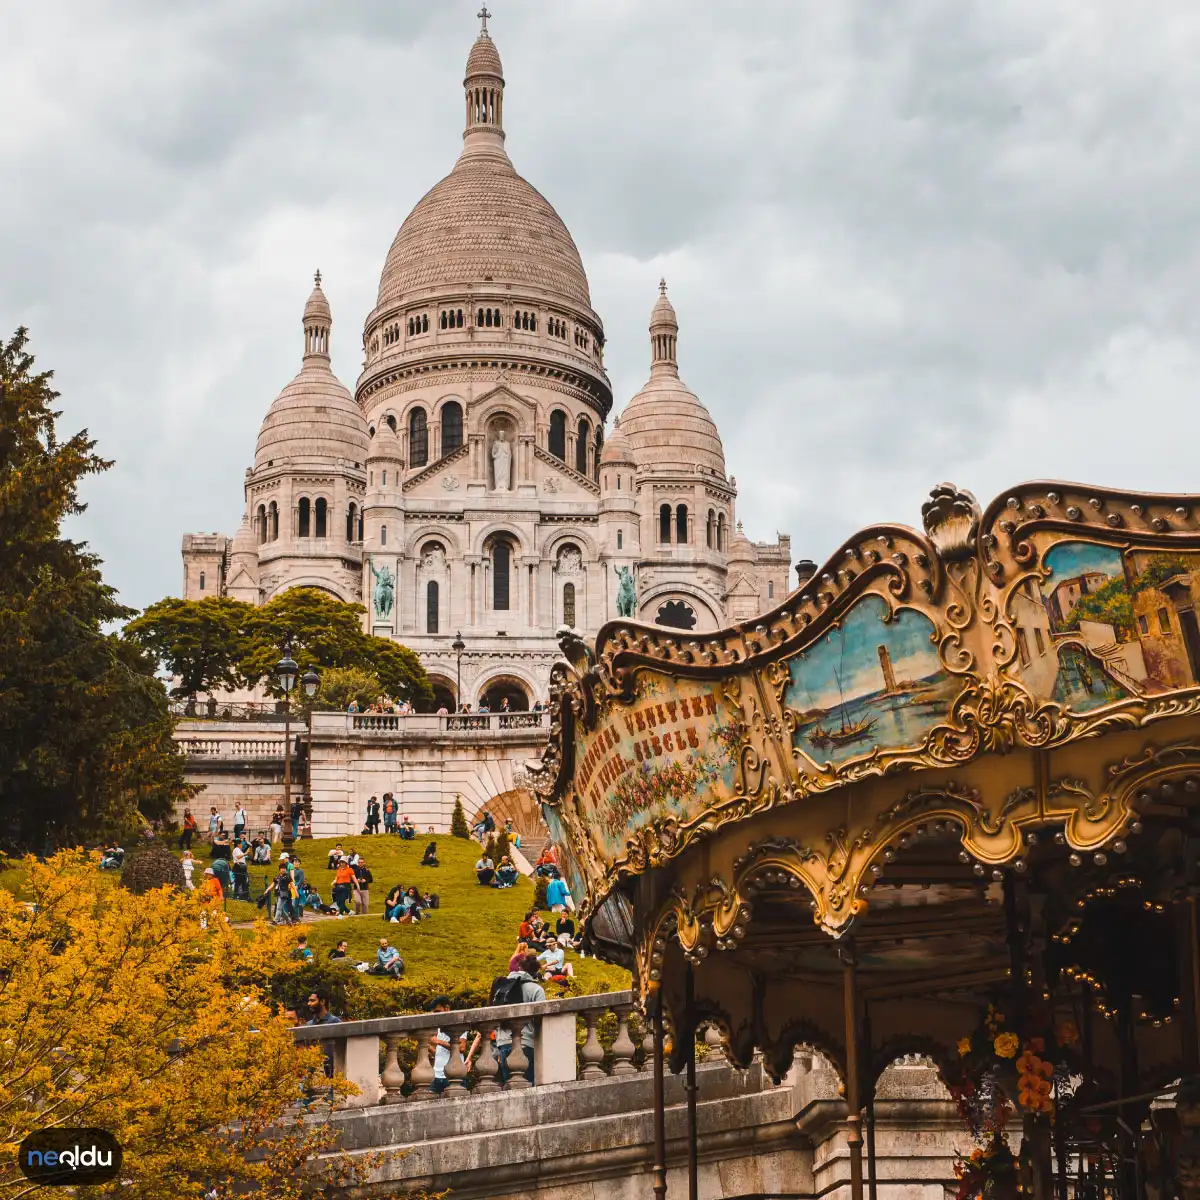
x=853, y=1076
x=1187, y=1103
x=660, y=1104
x=870, y=1078
x=689, y=1034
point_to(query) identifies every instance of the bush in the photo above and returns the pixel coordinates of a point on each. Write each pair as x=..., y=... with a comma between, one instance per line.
x=458, y=822
x=489, y=848
x=539, y=893
x=341, y=985
x=152, y=868
x=502, y=846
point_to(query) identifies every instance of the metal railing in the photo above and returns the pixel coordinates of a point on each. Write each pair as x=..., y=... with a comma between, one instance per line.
x=194, y=709
x=359, y=1046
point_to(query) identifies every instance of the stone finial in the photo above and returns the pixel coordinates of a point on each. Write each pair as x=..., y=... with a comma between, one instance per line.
x=317, y=277
x=951, y=516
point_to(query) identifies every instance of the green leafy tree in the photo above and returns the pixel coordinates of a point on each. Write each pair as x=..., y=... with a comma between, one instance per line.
x=458, y=821
x=200, y=642
x=1161, y=568
x=86, y=748
x=340, y=685
x=1110, y=605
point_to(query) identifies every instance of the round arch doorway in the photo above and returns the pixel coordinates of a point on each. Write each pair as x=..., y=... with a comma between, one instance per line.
x=503, y=689
x=443, y=695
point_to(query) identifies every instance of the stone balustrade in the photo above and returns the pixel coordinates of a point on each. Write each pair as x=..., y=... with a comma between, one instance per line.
x=232, y=747
x=359, y=1048
x=420, y=726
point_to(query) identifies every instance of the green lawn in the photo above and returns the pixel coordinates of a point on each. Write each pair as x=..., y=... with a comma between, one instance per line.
x=463, y=945
x=459, y=950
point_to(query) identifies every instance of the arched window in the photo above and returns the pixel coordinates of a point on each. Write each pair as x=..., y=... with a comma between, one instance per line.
x=303, y=525
x=431, y=606
x=443, y=318
x=664, y=523
x=721, y=531
x=479, y=318
x=273, y=520
x=558, y=434
x=202, y=581
x=487, y=318
x=322, y=521
x=391, y=420
x=619, y=539
x=458, y=319
x=710, y=528
x=351, y=522
x=410, y=326
x=599, y=451
x=260, y=524
x=581, y=446
x=418, y=438
x=569, y=605
x=425, y=323
x=360, y=525
x=770, y=589
x=452, y=430
x=681, y=525
x=501, y=567
x=383, y=535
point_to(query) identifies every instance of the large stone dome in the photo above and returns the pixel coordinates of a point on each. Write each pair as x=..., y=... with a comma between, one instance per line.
x=314, y=418
x=665, y=422
x=484, y=224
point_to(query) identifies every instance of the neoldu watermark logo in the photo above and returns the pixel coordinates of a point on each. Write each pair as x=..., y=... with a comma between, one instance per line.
x=69, y=1157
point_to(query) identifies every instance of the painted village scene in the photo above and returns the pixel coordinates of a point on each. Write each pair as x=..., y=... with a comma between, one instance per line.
x=1104, y=624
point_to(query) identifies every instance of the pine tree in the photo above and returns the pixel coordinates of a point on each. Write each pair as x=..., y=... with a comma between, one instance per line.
x=458, y=821
x=489, y=850
x=539, y=893
x=502, y=846
x=87, y=747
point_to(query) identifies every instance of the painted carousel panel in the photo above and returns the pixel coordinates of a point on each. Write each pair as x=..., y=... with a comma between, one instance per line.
x=669, y=755
x=1099, y=624
x=874, y=681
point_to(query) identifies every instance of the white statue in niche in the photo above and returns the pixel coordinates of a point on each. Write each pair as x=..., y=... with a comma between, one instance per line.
x=502, y=462
x=570, y=561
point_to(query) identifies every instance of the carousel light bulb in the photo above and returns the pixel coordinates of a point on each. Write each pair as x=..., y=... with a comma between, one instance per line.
x=1119, y=847
x=978, y=869
x=1135, y=827
x=963, y=857
x=1074, y=859
x=1060, y=838
x=1099, y=858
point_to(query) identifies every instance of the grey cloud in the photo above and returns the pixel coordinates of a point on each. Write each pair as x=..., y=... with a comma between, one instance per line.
x=906, y=242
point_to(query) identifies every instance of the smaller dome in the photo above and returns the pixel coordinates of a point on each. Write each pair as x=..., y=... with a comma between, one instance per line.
x=385, y=445
x=662, y=315
x=618, y=450
x=741, y=548
x=314, y=418
x=484, y=58
x=244, y=541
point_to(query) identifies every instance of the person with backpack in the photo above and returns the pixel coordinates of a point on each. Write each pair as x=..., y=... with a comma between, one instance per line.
x=517, y=987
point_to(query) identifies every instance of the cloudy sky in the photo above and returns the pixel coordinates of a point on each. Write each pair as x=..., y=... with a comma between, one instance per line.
x=907, y=242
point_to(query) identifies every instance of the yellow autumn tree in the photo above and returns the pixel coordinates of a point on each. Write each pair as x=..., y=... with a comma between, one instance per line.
x=132, y=1014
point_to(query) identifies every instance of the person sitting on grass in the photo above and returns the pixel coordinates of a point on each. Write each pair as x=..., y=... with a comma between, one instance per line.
x=430, y=859
x=261, y=854
x=414, y=905
x=222, y=844
x=554, y=964
x=335, y=856
x=485, y=870
x=340, y=952
x=506, y=873
x=113, y=857
x=302, y=950
x=547, y=863
x=393, y=904
x=387, y=961
x=539, y=934
x=519, y=955
x=408, y=830
x=564, y=931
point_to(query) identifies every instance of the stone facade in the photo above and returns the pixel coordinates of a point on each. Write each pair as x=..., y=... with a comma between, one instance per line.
x=467, y=485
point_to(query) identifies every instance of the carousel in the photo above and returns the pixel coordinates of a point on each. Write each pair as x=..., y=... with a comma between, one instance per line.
x=945, y=799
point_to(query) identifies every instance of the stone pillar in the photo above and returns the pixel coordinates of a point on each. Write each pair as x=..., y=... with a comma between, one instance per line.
x=357, y=1058
x=554, y=1049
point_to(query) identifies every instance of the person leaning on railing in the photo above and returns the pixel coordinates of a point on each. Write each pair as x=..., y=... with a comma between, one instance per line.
x=518, y=987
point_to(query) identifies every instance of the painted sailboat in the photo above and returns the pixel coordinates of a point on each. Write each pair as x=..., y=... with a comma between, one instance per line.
x=847, y=731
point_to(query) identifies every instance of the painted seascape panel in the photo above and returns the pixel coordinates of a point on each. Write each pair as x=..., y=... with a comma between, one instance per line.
x=870, y=683
x=671, y=753
x=1103, y=624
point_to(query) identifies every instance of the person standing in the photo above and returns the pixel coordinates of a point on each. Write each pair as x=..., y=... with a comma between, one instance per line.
x=188, y=831
x=239, y=821
x=277, y=824
x=343, y=885
x=189, y=865
x=240, y=874
x=389, y=813
x=527, y=990
x=214, y=823
x=362, y=887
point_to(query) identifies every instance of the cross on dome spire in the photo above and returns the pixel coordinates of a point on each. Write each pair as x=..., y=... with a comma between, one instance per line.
x=317, y=277
x=483, y=15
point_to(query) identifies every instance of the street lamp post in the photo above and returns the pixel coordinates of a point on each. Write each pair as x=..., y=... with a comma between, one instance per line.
x=458, y=646
x=287, y=671
x=310, y=682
